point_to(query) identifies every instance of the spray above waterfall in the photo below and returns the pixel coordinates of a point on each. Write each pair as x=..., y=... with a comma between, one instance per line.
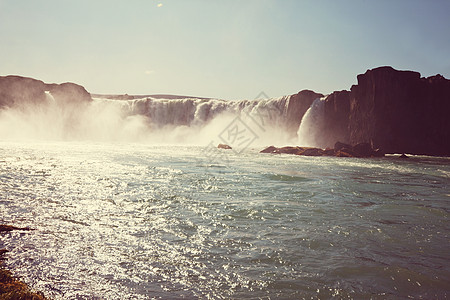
x=188, y=120
x=67, y=112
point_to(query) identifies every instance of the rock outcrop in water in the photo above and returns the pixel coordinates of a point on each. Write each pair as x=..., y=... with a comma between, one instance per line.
x=339, y=150
x=224, y=146
x=17, y=91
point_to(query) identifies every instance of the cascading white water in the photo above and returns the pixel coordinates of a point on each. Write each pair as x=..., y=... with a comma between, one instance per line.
x=189, y=120
x=174, y=121
x=311, y=125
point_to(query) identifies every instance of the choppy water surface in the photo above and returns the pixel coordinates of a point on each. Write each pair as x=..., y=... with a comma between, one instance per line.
x=141, y=222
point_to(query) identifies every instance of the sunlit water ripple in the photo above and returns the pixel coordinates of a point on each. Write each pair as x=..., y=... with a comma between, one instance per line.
x=134, y=221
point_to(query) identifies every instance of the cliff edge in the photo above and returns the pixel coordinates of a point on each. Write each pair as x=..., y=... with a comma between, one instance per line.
x=400, y=112
x=17, y=91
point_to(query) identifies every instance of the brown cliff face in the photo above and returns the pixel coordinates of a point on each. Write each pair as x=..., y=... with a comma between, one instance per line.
x=296, y=108
x=69, y=93
x=400, y=112
x=17, y=91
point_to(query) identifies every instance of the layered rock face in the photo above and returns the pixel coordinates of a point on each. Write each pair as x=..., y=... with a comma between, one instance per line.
x=17, y=91
x=400, y=112
x=296, y=108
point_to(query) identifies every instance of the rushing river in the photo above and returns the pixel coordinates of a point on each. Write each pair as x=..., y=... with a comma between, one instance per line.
x=136, y=221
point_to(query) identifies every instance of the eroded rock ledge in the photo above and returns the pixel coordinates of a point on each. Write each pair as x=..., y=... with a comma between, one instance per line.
x=339, y=150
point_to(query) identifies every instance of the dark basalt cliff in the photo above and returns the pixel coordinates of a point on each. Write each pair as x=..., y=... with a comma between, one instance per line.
x=398, y=111
x=17, y=91
x=336, y=120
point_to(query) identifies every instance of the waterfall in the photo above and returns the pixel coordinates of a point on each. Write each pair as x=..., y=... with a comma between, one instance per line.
x=266, y=118
x=194, y=111
x=154, y=120
x=311, y=126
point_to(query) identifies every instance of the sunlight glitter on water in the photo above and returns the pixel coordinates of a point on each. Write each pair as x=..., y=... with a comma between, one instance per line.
x=118, y=221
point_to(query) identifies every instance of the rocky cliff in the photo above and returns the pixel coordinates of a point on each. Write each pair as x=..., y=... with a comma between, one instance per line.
x=396, y=111
x=297, y=106
x=400, y=112
x=17, y=91
x=336, y=120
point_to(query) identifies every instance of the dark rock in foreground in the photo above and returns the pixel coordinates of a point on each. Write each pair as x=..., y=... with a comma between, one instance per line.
x=10, y=287
x=340, y=150
x=11, y=228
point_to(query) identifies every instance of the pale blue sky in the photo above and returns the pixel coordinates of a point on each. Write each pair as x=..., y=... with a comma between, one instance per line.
x=226, y=49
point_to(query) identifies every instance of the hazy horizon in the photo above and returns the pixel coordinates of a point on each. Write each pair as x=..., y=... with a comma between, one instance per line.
x=226, y=50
